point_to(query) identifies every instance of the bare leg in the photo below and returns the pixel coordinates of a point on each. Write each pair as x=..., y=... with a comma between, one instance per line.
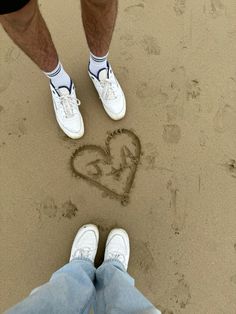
x=28, y=30
x=99, y=18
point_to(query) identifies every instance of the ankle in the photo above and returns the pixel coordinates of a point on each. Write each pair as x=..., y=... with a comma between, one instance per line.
x=59, y=77
x=97, y=63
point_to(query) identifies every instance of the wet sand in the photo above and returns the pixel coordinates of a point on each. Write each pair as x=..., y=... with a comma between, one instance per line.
x=175, y=194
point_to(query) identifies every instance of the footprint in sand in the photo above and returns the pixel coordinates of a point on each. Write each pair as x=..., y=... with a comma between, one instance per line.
x=175, y=88
x=179, y=7
x=22, y=127
x=144, y=265
x=2, y=144
x=215, y=8
x=151, y=46
x=150, y=156
x=134, y=7
x=51, y=209
x=5, y=77
x=230, y=167
x=225, y=118
x=123, y=73
x=203, y=139
x=135, y=10
x=178, y=213
x=233, y=279
x=171, y=133
x=193, y=90
x=127, y=40
x=180, y=294
x=18, y=128
x=147, y=90
x=47, y=208
x=167, y=311
x=12, y=54
x=69, y=210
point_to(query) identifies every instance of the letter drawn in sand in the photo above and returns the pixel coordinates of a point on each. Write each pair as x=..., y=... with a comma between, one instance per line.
x=111, y=169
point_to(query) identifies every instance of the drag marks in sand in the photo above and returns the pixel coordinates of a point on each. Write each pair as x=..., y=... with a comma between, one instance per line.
x=111, y=169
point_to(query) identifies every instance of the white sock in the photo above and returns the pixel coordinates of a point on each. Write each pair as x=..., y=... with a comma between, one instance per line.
x=59, y=77
x=97, y=63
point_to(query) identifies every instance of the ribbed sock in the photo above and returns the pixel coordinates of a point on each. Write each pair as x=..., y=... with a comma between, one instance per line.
x=97, y=63
x=59, y=77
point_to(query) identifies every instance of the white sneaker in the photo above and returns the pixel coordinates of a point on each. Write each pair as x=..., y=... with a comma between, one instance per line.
x=118, y=247
x=66, y=107
x=85, y=243
x=110, y=92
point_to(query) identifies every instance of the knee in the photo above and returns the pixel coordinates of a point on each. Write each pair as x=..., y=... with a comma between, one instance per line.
x=22, y=19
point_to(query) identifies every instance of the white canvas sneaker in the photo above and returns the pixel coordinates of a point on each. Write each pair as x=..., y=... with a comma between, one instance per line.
x=118, y=247
x=110, y=92
x=66, y=106
x=85, y=243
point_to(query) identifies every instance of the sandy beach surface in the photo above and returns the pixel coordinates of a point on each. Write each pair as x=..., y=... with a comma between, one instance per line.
x=171, y=181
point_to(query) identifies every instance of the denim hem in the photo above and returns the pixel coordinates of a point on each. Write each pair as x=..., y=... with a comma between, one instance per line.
x=115, y=262
x=83, y=259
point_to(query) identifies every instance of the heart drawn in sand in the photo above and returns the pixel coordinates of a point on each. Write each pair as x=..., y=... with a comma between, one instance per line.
x=112, y=169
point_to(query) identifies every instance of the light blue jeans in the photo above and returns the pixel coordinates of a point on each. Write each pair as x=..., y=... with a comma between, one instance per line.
x=78, y=287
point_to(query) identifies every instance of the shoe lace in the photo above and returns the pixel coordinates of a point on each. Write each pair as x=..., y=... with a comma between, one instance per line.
x=109, y=89
x=116, y=255
x=84, y=253
x=69, y=104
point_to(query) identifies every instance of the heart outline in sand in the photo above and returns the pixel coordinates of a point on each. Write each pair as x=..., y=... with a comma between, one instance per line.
x=107, y=159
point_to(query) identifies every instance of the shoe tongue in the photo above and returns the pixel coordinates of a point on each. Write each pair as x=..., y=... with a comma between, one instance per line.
x=102, y=75
x=63, y=91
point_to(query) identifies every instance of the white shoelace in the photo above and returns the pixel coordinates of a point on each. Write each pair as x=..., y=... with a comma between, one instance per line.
x=109, y=92
x=69, y=105
x=83, y=253
x=116, y=255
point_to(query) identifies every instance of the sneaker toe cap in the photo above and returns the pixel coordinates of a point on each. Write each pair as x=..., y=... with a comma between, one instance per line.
x=74, y=127
x=117, y=108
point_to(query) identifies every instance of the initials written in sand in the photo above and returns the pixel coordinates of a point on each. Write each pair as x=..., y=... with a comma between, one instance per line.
x=112, y=169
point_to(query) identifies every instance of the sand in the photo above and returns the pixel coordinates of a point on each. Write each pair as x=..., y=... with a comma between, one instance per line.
x=175, y=195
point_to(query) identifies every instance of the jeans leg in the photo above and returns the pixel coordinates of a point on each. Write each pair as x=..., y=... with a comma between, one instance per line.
x=70, y=290
x=116, y=293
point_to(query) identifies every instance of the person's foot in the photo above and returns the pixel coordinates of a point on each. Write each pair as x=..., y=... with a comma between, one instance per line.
x=110, y=92
x=118, y=247
x=66, y=106
x=85, y=243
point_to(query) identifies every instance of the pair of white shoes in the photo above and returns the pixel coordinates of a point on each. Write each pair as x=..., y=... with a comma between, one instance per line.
x=66, y=104
x=86, y=243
